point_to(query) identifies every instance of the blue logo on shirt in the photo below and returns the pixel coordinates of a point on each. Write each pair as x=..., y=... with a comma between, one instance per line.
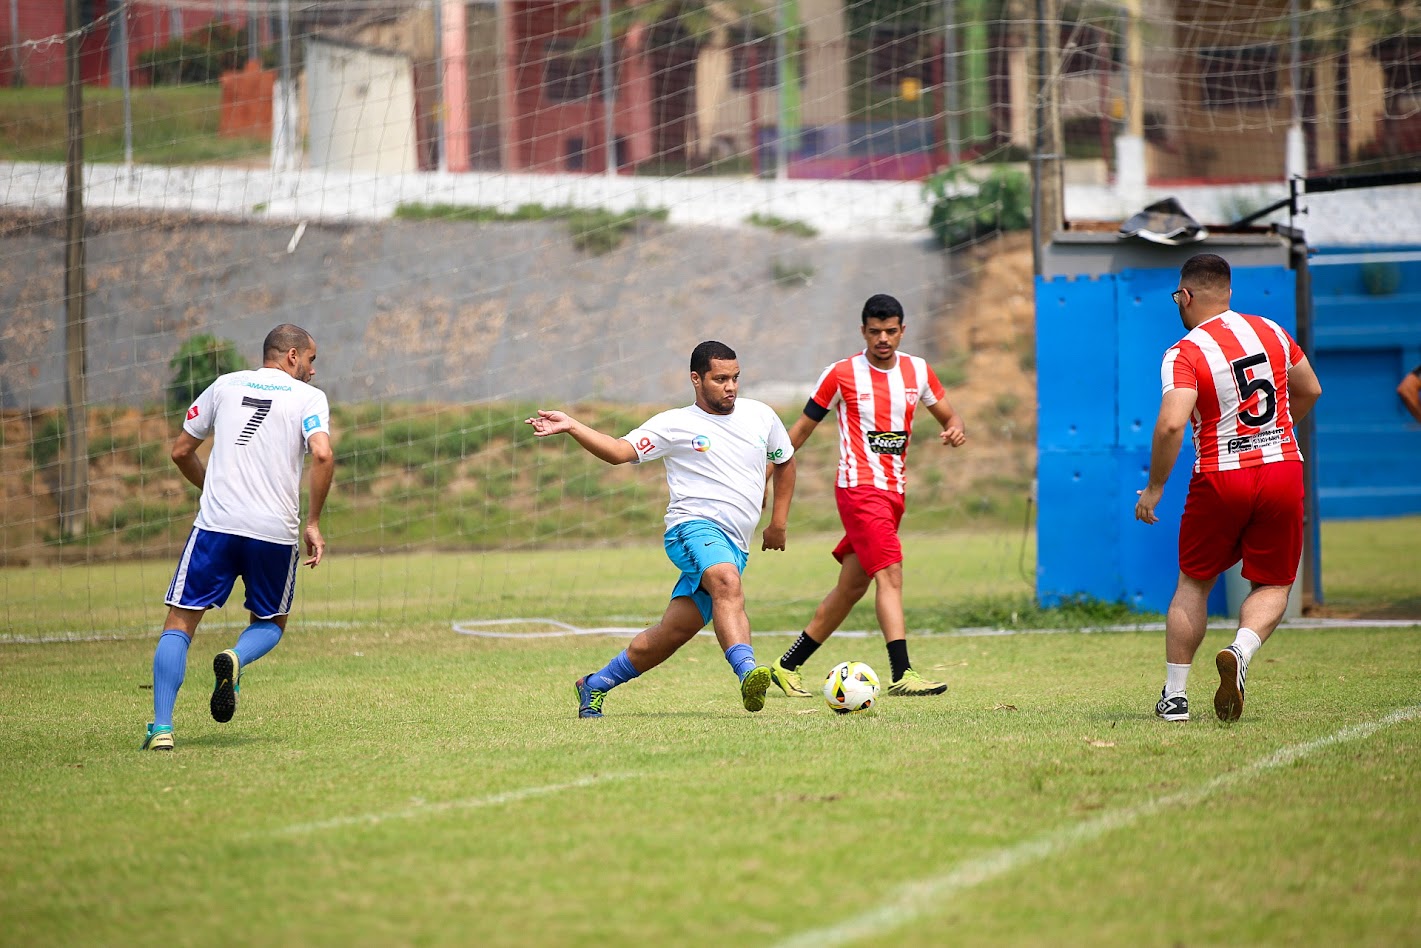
x=310, y=422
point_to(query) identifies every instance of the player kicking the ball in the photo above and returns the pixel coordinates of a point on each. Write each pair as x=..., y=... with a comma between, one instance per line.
x=716, y=453
x=262, y=422
x=1244, y=383
x=875, y=394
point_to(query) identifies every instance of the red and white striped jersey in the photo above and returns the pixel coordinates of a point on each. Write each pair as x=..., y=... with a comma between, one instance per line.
x=875, y=409
x=1239, y=366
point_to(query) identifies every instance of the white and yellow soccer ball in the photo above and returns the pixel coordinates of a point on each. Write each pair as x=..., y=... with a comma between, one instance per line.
x=850, y=687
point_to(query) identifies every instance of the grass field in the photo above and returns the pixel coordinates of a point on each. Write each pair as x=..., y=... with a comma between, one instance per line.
x=387, y=781
x=172, y=125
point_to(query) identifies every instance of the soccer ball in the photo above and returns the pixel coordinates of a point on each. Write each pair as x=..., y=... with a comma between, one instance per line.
x=850, y=687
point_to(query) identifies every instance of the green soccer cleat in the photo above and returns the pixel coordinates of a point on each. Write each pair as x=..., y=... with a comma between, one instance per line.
x=753, y=687
x=159, y=738
x=914, y=684
x=226, y=667
x=790, y=682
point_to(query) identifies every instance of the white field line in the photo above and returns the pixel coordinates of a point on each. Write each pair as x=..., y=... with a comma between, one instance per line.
x=488, y=628
x=122, y=635
x=929, y=896
x=421, y=809
x=553, y=628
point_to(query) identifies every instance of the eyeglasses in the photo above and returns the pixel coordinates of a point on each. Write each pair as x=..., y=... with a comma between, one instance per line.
x=1177, y=294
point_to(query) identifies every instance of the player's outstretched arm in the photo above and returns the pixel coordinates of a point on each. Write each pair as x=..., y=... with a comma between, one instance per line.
x=953, y=433
x=783, y=478
x=604, y=446
x=1174, y=411
x=323, y=467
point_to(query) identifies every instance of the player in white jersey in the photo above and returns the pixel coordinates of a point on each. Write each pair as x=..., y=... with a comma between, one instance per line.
x=716, y=453
x=262, y=423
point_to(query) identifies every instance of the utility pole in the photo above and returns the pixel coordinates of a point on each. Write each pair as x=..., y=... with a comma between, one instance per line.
x=74, y=483
x=1047, y=190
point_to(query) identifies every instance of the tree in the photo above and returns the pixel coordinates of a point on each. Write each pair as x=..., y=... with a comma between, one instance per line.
x=197, y=365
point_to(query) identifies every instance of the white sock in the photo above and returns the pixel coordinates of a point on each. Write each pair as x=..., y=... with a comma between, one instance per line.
x=1248, y=643
x=1175, y=678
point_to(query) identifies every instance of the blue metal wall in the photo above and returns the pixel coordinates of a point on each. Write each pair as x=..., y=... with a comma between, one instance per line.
x=1099, y=342
x=1367, y=330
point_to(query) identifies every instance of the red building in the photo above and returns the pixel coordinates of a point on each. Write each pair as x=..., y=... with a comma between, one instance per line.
x=37, y=52
x=557, y=122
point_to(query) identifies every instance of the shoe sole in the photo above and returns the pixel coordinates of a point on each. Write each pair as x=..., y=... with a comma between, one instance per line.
x=1172, y=717
x=940, y=689
x=1228, y=700
x=156, y=745
x=753, y=688
x=581, y=711
x=224, y=694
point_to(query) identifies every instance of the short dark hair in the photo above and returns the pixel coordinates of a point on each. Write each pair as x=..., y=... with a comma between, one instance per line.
x=283, y=339
x=1206, y=271
x=702, y=355
x=881, y=306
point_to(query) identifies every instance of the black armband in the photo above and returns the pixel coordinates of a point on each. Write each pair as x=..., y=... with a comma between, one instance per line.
x=815, y=411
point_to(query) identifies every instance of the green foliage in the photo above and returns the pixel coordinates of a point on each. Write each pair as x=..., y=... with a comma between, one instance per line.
x=964, y=211
x=46, y=438
x=594, y=230
x=199, y=57
x=200, y=360
x=598, y=231
x=782, y=226
x=790, y=275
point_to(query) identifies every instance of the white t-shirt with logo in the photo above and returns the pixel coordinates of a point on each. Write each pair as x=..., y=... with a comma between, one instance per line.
x=259, y=421
x=715, y=464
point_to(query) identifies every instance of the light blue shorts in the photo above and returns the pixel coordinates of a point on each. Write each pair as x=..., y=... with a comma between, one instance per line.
x=694, y=547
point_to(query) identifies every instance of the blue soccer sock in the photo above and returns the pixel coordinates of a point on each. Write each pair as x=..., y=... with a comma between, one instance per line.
x=169, y=667
x=618, y=671
x=256, y=640
x=741, y=658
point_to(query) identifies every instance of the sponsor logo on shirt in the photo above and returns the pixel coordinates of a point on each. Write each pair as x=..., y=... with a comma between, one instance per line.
x=701, y=443
x=774, y=455
x=310, y=422
x=267, y=387
x=888, y=442
x=192, y=413
x=1263, y=439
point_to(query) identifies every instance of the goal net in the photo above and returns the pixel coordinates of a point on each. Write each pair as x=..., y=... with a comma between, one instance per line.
x=484, y=208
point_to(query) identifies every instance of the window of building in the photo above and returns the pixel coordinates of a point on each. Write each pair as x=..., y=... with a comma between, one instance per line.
x=896, y=53
x=570, y=73
x=1239, y=77
x=747, y=47
x=1400, y=60
x=751, y=51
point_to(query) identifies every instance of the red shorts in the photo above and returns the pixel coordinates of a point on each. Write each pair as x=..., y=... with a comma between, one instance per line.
x=870, y=517
x=1254, y=514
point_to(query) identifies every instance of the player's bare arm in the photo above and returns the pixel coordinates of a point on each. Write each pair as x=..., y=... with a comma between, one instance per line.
x=323, y=466
x=1303, y=389
x=800, y=431
x=184, y=455
x=954, y=434
x=1409, y=391
x=1174, y=411
x=782, y=476
x=604, y=446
